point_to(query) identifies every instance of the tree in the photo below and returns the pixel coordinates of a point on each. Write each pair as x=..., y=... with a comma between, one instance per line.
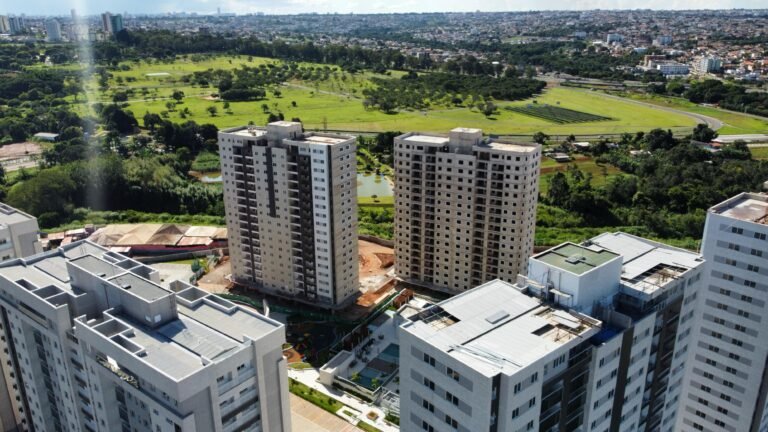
x=170, y=106
x=488, y=109
x=703, y=133
x=178, y=95
x=264, y=108
x=559, y=190
x=375, y=383
x=540, y=137
x=277, y=93
x=212, y=110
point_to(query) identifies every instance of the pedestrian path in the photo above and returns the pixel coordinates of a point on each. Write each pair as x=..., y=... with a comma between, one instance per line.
x=309, y=377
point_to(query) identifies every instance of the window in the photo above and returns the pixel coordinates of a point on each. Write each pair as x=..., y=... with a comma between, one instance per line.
x=429, y=359
x=515, y=413
x=532, y=402
x=453, y=374
x=450, y=397
x=518, y=387
x=451, y=421
x=429, y=383
x=737, y=230
x=427, y=427
x=427, y=406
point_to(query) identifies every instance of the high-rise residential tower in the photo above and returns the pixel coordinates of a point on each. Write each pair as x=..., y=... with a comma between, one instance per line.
x=593, y=339
x=19, y=234
x=92, y=342
x=726, y=377
x=465, y=208
x=291, y=204
x=52, y=30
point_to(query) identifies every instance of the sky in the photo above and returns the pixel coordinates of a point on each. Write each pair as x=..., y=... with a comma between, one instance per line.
x=89, y=7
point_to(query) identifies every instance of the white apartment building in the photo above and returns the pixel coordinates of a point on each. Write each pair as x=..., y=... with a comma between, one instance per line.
x=591, y=340
x=18, y=234
x=52, y=30
x=91, y=342
x=709, y=64
x=291, y=207
x=727, y=378
x=465, y=208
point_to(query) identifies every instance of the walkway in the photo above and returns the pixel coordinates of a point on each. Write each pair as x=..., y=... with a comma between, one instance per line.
x=309, y=378
x=307, y=417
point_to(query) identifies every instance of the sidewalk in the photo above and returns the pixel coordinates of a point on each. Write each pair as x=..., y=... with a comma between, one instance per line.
x=309, y=378
x=307, y=417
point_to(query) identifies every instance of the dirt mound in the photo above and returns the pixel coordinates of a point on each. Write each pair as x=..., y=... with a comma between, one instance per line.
x=386, y=260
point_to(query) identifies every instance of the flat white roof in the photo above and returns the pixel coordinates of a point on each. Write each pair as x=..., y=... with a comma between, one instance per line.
x=750, y=207
x=10, y=215
x=496, y=328
x=428, y=139
x=648, y=266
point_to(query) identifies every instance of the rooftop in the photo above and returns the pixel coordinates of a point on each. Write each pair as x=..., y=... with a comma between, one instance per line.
x=750, y=207
x=246, y=131
x=648, y=266
x=428, y=139
x=201, y=328
x=327, y=139
x=10, y=215
x=497, y=328
x=575, y=258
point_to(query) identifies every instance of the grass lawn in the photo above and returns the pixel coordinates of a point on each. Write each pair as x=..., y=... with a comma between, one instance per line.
x=313, y=396
x=337, y=104
x=600, y=173
x=735, y=123
x=184, y=261
x=759, y=152
x=385, y=201
x=367, y=427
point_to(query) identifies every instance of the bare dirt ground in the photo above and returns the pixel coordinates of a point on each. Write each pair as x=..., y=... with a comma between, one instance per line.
x=375, y=260
x=214, y=281
x=13, y=151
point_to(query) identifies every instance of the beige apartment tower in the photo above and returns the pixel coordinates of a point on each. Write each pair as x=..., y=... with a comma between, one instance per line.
x=465, y=208
x=291, y=207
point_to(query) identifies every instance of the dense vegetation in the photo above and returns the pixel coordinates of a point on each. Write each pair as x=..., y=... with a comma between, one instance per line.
x=729, y=96
x=667, y=191
x=157, y=184
x=414, y=91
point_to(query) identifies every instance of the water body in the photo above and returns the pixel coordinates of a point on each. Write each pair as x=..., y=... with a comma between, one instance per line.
x=367, y=184
x=372, y=184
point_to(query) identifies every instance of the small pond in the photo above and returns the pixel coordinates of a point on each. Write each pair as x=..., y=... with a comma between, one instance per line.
x=372, y=184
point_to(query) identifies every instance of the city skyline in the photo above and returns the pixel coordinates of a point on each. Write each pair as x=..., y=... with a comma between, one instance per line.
x=86, y=7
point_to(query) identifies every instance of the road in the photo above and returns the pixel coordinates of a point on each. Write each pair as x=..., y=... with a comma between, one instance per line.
x=711, y=122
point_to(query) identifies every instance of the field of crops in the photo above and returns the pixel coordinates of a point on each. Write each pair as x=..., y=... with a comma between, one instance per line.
x=556, y=114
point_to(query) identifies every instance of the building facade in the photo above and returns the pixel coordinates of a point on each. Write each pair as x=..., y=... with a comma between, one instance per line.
x=92, y=342
x=591, y=340
x=291, y=205
x=52, y=30
x=19, y=234
x=465, y=208
x=727, y=378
